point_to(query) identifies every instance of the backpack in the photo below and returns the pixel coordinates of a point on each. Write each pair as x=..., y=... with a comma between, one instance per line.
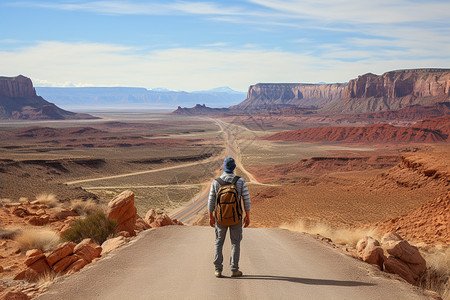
x=228, y=205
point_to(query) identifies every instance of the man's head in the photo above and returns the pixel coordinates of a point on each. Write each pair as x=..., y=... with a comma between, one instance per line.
x=229, y=165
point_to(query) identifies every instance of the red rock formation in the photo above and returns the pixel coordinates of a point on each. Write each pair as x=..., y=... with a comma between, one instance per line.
x=121, y=208
x=18, y=100
x=367, y=93
x=378, y=133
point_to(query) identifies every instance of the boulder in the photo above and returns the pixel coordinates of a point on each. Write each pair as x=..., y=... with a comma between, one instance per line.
x=122, y=209
x=19, y=211
x=370, y=251
x=390, y=236
x=396, y=266
x=40, y=266
x=113, y=243
x=32, y=259
x=64, y=263
x=35, y=270
x=60, y=252
x=404, y=251
x=87, y=250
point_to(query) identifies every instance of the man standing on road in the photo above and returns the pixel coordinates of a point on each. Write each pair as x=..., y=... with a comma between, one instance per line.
x=222, y=188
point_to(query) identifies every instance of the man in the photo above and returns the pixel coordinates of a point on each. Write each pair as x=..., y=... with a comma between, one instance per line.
x=235, y=230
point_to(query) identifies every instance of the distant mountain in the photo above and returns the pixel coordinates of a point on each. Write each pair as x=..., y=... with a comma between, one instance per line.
x=366, y=94
x=129, y=97
x=200, y=110
x=222, y=89
x=18, y=100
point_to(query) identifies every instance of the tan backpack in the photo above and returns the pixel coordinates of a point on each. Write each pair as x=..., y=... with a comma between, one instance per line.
x=228, y=205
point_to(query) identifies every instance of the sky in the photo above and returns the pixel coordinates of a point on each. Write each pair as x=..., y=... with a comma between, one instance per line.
x=199, y=45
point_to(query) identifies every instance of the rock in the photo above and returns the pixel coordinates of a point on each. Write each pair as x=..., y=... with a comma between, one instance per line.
x=122, y=209
x=33, y=252
x=39, y=220
x=40, y=266
x=60, y=252
x=76, y=266
x=64, y=263
x=19, y=211
x=10, y=294
x=125, y=234
x=141, y=225
x=176, y=222
x=390, y=236
x=1, y=269
x=162, y=219
x=396, y=266
x=59, y=213
x=404, y=251
x=113, y=243
x=150, y=216
x=87, y=250
x=370, y=251
x=32, y=259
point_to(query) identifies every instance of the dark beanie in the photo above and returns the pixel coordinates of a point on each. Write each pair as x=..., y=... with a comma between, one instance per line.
x=229, y=165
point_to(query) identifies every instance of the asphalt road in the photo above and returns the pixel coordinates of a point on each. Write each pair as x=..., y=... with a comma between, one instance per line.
x=175, y=262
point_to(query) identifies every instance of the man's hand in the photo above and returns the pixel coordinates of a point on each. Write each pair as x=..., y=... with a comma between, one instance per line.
x=247, y=219
x=212, y=219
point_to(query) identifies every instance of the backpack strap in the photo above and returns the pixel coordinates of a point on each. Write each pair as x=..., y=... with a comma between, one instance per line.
x=220, y=181
x=235, y=179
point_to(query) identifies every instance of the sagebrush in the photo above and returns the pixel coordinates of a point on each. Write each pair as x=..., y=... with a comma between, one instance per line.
x=37, y=238
x=95, y=226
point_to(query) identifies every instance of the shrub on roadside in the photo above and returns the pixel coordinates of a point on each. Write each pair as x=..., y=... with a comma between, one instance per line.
x=96, y=226
x=48, y=199
x=437, y=276
x=85, y=207
x=37, y=238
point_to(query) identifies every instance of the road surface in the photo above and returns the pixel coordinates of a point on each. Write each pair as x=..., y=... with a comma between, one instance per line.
x=175, y=262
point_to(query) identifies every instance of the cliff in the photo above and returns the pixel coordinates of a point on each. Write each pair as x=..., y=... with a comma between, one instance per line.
x=18, y=100
x=366, y=94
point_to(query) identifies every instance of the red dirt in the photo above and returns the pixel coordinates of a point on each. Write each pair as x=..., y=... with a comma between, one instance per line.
x=428, y=223
x=429, y=131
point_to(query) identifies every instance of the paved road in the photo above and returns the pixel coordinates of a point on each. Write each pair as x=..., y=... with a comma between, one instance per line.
x=175, y=262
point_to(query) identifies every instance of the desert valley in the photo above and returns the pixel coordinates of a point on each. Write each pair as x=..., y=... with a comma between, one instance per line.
x=339, y=161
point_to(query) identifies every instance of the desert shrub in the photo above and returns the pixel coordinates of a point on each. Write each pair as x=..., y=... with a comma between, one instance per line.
x=9, y=233
x=37, y=238
x=437, y=276
x=343, y=236
x=96, y=226
x=85, y=207
x=23, y=199
x=47, y=199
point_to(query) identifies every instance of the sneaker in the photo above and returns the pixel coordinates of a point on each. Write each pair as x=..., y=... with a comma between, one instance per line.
x=236, y=274
x=218, y=273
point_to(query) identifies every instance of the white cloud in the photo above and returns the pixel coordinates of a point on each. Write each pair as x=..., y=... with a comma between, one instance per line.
x=120, y=7
x=85, y=64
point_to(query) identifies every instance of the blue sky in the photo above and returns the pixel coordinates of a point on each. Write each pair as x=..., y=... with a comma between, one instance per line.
x=198, y=45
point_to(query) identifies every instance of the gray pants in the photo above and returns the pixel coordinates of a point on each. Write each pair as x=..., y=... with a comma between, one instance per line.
x=235, y=237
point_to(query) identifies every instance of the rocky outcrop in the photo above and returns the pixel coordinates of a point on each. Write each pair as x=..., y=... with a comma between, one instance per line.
x=18, y=100
x=121, y=208
x=67, y=258
x=377, y=133
x=366, y=94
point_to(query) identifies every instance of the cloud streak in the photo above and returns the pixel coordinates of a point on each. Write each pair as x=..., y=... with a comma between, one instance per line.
x=93, y=64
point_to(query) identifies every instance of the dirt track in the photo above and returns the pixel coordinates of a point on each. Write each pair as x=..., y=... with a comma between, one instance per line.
x=175, y=262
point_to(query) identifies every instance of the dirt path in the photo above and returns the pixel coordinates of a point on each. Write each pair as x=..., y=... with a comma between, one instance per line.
x=175, y=262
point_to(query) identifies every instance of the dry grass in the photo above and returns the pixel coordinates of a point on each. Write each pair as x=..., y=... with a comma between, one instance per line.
x=48, y=199
x=37, y=238
x=86, y=207
x=23, y=199
x=437, y=276
x=343, y=236
x=9, y=233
